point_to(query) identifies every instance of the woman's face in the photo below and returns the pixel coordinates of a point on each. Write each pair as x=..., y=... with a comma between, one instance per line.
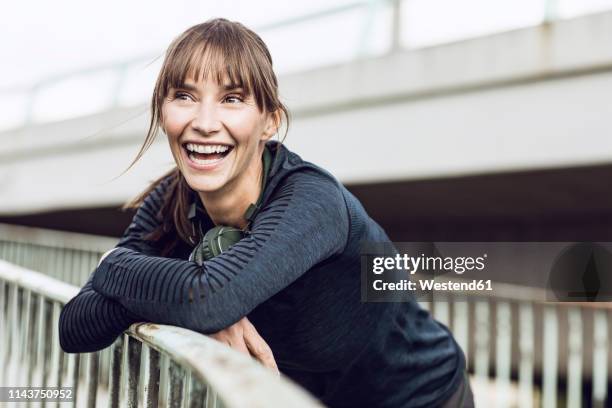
x=216, y=133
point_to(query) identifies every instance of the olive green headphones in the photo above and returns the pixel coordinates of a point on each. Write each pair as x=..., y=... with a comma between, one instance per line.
x=222, y=237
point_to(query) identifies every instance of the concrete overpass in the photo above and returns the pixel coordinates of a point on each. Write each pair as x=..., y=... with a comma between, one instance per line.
x=509, y=127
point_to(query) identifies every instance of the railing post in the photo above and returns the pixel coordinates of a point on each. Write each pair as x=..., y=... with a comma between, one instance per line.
x=114, y=382
x=551, y=358
x=461, y=321
x=133, y=361
x=151, y=389
x=481, y=354
x=176, y=394
x=600, y=358
x=92, y=379
x=574, y=360
x=41, y=341
x=3, y=329
x=503, y=352
x=526, y=355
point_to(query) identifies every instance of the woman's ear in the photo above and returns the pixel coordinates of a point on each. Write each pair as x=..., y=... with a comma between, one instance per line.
x=273, y=122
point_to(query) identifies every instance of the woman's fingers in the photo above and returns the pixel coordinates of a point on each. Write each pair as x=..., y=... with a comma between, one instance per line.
x=233, y=336
x=243, y=336
x=258, y=346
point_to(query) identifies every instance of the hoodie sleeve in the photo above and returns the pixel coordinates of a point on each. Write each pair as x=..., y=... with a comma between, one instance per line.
x=90, y=321
x=305, y=222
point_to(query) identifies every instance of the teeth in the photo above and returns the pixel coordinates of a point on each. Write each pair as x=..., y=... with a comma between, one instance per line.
x=193, y=147
x=203, y=161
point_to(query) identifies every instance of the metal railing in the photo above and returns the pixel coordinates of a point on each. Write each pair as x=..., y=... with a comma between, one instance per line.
x=151, y=365
x=521, y=351
x=525, y=352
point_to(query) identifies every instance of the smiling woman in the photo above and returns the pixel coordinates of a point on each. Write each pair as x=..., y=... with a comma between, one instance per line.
x=248, y=243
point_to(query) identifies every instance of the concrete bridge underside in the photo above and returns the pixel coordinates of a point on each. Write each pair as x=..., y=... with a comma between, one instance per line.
x=502, y=137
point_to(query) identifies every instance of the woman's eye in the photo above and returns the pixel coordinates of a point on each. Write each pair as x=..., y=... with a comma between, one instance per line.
x=233, y=98
x=183, y=96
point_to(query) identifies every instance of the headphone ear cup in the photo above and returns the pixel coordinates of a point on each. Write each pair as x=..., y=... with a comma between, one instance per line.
x=215, y=241
x=219, y=239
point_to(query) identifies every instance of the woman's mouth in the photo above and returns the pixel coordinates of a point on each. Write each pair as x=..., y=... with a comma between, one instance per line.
x=206, y=154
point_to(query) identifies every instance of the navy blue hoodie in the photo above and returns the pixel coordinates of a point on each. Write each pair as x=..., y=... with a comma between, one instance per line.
x=297, y=277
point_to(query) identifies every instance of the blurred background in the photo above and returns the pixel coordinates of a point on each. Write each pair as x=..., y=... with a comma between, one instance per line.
x=451, y=120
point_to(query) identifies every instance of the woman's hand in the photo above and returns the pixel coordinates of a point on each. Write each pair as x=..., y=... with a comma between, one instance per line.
x=243, y=337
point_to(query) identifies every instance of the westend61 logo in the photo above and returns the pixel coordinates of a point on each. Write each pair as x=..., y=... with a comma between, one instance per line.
x=556, y=271
x=425, y=263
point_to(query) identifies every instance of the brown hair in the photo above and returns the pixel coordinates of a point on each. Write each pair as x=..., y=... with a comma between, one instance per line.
x=216, y=49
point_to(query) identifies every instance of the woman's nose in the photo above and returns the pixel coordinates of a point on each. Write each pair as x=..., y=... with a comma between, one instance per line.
x=206, y=120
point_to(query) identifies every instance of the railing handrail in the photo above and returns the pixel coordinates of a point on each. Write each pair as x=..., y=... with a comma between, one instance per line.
x=238, y=380
x=56, y=239
x=87, y=242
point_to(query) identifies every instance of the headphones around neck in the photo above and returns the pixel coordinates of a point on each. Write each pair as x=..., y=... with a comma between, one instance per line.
x=222, y=237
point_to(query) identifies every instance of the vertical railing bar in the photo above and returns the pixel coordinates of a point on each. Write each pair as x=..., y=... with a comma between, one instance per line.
x=574, y=363
x=526, y=355
x=48, y=347
x=41, y=341
x=26, y=337
x=75, y=270
x=114, y=382
x=503, y=352
x=186, y=378
x=441, y=310
x=600, y=358
x=105, y=357
x=134, y=348
x=92, y=379
x=187, y=388
x=3, y=329
x=55, y=347
x=481, y=341
x=197, y=393
x=20, y=258
x=75, y=362
x=163, y=379
x=14, y=350
x=51, y=262
x=144, y=367
x=151, y=389
x=211, y=397
x=10, y=251
x=62, y=270
x=550, y=358
x=176, y=394
x=460, y=325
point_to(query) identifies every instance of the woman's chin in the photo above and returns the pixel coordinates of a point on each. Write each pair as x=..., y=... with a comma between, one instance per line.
x=205, y=186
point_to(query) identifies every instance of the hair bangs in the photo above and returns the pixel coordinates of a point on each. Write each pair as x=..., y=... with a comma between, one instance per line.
x=205, y=59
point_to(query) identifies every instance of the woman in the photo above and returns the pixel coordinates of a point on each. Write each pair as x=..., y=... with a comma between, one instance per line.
x=291, y=283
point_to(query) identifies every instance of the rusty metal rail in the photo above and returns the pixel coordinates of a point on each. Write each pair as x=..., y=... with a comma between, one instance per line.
x=524, y=349
x=151, y=365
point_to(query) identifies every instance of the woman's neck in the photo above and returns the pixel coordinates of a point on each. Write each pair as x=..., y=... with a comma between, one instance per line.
x=228, y=207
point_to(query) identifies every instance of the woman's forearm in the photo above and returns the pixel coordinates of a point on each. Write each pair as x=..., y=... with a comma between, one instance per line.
x=91, y=322
x=291, y=235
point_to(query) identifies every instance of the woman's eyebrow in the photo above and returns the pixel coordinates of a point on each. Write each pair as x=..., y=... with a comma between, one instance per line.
x=232, y=87
x=187, y=87
x=226, y=87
